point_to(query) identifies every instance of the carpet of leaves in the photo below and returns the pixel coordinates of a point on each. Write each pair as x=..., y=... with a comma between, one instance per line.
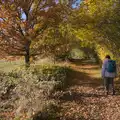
x=85, y=98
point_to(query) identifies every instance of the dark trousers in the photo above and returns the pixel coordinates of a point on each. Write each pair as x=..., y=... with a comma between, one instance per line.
x=109, y=82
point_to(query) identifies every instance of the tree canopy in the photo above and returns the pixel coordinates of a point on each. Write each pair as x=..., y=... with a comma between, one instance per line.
x=34, y=27
x=23, y=25
x=97, y=23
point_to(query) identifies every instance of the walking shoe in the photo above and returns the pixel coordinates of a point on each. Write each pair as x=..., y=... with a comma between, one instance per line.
x=107, y=93
x=113, y=93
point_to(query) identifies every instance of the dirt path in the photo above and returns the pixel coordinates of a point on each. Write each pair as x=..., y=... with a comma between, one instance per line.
x=85, y=98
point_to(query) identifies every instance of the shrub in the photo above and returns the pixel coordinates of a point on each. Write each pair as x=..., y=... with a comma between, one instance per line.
x=28, y=90
x=42, y=73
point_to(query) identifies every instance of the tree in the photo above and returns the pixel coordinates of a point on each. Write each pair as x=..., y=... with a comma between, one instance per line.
x=23, y=24
x=97, y=23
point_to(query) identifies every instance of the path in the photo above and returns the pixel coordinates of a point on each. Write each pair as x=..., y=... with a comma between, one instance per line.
x=85, y=99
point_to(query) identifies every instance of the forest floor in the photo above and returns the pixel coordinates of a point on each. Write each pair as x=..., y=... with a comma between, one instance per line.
x=85, y=98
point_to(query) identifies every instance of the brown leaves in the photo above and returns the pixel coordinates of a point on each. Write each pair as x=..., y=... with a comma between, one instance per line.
x=25, y=21
x=84, y=101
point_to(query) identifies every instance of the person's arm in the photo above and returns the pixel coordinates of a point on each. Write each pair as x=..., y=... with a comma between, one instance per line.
x=103, y=69
x=116, y=70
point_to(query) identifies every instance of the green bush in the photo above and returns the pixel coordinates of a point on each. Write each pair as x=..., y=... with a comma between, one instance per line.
x=77, y=54
x=28, y=90
x=41, y=73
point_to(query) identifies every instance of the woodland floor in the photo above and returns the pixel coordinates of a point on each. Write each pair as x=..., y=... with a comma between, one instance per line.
x=85, y=98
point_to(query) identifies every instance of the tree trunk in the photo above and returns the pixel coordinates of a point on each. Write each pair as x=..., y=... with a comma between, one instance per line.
x=27, y=55
x=27, y=58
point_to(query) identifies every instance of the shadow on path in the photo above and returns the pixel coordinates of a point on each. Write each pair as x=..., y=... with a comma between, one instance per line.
x=84, y=98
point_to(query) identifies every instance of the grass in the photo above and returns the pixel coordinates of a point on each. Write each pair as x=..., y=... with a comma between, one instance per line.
x=8, y=66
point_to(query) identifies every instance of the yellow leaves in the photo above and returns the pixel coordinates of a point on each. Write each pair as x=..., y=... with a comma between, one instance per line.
x=102, y=50
x=63, y=1
x=37, y=26
x=99, y=7
x=13, y=7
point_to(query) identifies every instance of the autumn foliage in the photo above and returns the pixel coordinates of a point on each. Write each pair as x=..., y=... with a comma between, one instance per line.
x=24, y=23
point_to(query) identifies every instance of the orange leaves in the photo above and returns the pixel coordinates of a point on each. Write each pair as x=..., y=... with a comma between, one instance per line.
x=27, y=21
x=42, y=13
x=86, y=1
